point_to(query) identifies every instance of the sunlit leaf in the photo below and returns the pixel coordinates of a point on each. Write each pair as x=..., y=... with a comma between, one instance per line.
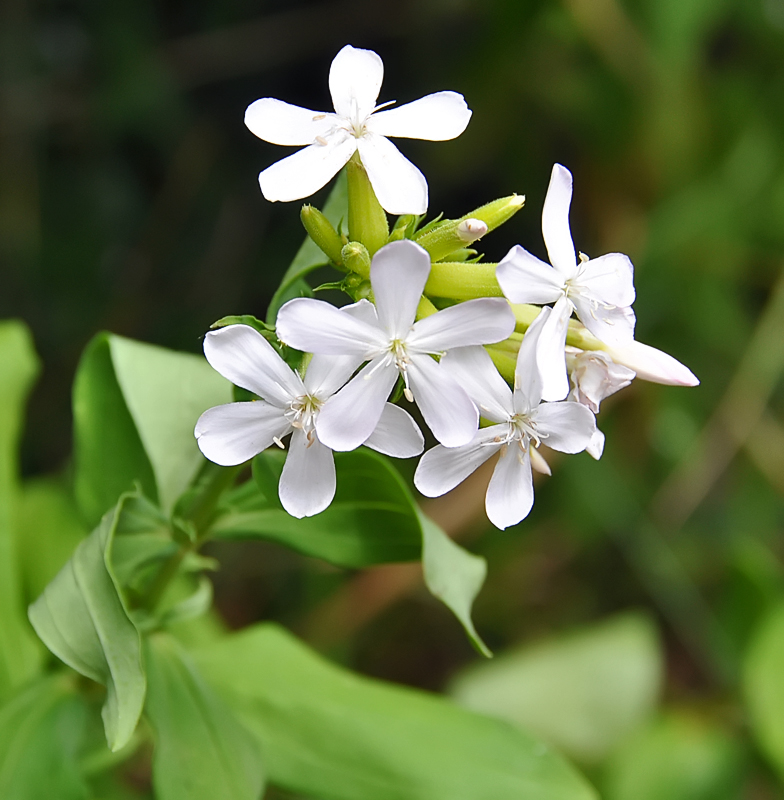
x=328, y=733
x=202, y=752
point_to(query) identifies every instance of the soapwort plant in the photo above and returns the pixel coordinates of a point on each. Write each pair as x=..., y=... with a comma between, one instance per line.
x=297, y=415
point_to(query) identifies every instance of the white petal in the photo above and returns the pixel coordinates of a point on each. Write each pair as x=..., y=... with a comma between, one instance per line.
x=446, y=407
x=555, y=222
x=436, y=117
x=399, y=186
x=482, y=321
x=614, y=325
x=307, y=483
x=528, y=374
x=610, y=279
x=473, y=369
x=523, y=278
x=596, y=376
x=398, y=275
x=355, y=79
x=396, y=434
x=565, y=426
x=326, y=374
x=247, y=359
x=233, y=433
x=510, y=494
x=538, y=463
x=281, y=123
x=653, y=365
x=551, y=353
x=318, y=327
x=305, y=172
x=349, y=417
x=596, y=447
x=442, y=468
x=363, y=310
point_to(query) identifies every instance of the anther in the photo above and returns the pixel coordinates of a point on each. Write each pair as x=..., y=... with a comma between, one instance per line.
x=319, y=117
x=322, y=141
x=278, y=442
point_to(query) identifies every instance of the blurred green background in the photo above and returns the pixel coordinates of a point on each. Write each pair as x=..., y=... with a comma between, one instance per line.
x=129, y=202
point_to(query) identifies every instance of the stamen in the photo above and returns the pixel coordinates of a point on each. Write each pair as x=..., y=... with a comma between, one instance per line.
x=322, y=141
x=319, y=117
x=278, y=442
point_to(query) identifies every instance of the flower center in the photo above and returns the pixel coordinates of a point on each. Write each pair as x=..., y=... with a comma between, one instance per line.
x=397, y=349
x=302, y=414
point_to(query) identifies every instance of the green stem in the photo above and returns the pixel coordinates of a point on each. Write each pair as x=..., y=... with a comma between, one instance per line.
x=460, y=281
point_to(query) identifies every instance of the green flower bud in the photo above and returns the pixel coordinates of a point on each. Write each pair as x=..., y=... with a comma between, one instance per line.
x=367, y=221
x=357, y=287
x=320, y=229
x=356, y=258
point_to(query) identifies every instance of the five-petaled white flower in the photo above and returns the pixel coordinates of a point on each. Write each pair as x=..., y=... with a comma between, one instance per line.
x=233, y=433
x=600, y=290
x=521, y=420
x=357, y=124
x=394, y=344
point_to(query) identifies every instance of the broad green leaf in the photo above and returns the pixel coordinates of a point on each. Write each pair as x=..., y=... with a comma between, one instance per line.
x=372, y=520
x=40, y=734
x=19, y=653
x=328, y=733
x=453, y=575
x=202, y=751
x=48, y=531
x=584, y=693
x=108, y=453
x=166, y=392
x=763, y=687
x=135, y=408
x=309, y=256
x=678, y=757
x=82, y=620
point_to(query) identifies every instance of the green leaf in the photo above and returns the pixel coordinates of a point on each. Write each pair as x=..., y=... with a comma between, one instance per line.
x=453, y=575
x=40, y=734
x=678, y=757
x=202, y=752
x=82, y=620
x=309, y=256
x=330, y=734
x=135, y=407
x=763, y=687
x=19, y=653
x=584, y=693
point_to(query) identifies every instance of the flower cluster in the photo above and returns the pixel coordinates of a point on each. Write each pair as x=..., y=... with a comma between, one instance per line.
x=490, y=375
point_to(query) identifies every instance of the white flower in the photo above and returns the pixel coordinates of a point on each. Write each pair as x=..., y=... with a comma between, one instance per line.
x=595, y=376
x=394, y=344
x=357, y=124
x=233, y=433
x=600, y=290
x=521, y=420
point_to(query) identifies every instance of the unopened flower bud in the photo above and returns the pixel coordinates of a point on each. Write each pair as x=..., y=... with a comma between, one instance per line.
x=356, y=258
x=653, y=365
x=367, y=221
x=320, y=229
x=469, y=230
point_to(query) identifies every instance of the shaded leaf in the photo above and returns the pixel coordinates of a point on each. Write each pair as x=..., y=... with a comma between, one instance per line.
x=82, y=620
x=202, y=752
x=583, y=693
x=330, y=734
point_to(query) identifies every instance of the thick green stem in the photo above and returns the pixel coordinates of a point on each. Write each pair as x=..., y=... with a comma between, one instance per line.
x=460, y=281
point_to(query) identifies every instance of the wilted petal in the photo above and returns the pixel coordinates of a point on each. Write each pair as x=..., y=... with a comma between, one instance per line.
x=653, y=365
x=307, y=483
x=243, y=356
x=349, y=417
x=318, y=327
x=596, y=447
x=555, y=222
x=523, y=278
x=482, y=321
x=305, y=172
x=446, y=407
x=355, y=79
x=510, y=494
x=396, y=434
x=282, y=123
x=609, y=278
x=442, y=468
x=399, y=186
x=398, y=275
x=473, y=369
x=436, y=117
x=596, y=376
x=565, y=426
x=233, y=433
x=614, y=325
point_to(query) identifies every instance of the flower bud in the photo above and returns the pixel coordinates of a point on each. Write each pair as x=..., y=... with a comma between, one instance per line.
x=355, y=258
x=320, y=229
x=653, y=365
x=367, y=221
